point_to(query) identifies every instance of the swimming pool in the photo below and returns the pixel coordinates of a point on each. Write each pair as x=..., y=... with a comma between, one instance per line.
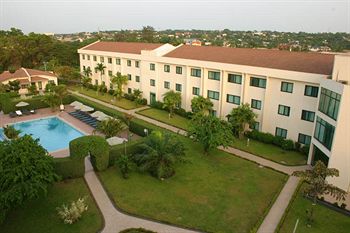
x=2, y=136
x=53, y=133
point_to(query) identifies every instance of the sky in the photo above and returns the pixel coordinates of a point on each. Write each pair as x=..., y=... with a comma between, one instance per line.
x=67, y=16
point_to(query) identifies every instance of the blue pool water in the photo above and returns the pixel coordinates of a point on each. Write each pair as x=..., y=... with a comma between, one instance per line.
x=2, y=136
x=53, y=133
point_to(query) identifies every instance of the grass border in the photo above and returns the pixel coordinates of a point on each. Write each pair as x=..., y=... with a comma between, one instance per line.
x=153, y=118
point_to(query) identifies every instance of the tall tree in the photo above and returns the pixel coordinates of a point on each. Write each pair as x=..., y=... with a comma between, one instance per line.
x=160, y=152
x=26, y=171
x=87, y=72
x=148, y=33
x=241, y=118
x=201, y=105
x=210, y=131
x=317, y=184
x=52, y=100
x=100, y=67
x=171, y=100
x=61, y=92
x=119, y=81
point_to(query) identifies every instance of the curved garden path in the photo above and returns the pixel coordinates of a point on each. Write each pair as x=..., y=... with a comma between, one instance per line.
x=271, y=220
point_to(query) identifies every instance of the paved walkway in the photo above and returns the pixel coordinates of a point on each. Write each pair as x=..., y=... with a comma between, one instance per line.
x=277, y=210
x=116, y=221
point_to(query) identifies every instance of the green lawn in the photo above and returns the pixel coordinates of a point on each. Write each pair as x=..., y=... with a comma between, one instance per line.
x=270, y=152
x=326, y=220
x=105, y=97
x=215, y=193
x=40, y=215
x=163, y=116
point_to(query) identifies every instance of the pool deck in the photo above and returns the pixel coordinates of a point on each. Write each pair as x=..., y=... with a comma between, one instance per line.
x=47, y=112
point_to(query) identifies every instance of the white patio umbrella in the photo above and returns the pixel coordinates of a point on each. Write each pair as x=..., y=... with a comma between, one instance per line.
x=75, y=103
x=22, y=104
x=86, y=108
x=116, y=141
x=97, y=114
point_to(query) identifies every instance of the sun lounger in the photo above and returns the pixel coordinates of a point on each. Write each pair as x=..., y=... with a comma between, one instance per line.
x=12, y=114
x=26, y=112
x=19, y=113
x=32, y=111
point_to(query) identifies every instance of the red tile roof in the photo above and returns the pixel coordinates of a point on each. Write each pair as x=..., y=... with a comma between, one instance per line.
x=294, y=61
x=22, y=73
x=121, y=47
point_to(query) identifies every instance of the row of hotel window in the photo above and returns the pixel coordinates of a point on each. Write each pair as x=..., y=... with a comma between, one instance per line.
x=302, y=138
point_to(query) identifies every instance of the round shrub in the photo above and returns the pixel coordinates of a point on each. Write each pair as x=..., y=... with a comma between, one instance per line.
x=287, y=145
x=278, y=141
x=111, y=91
x=136, y=230
x=305, y=150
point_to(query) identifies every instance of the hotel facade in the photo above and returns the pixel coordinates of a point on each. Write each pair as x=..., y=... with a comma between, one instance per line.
x=304, y=97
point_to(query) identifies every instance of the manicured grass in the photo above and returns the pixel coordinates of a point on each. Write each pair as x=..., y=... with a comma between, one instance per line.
x=40, y=215
x=215, y=193
x=270, y=152
x=105, y=97
x=325, y=219
x=163, y=116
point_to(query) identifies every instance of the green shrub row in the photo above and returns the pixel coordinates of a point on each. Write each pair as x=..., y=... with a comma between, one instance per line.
x=131, y=147
x=96, y=146
x=68, y=168
x=285, y=144
x=179, y=111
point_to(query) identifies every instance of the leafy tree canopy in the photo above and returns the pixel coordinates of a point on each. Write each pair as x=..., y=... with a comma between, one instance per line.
x=241, y=118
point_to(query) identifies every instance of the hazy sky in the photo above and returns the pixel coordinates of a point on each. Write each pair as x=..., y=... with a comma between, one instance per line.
x=64, y=16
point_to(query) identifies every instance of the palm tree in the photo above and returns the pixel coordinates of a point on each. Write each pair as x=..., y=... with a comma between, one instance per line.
x=119, y=80
x=87, y=72
x=110, y=127
x=85, y=81
x=240, y=118
x=61, y=92
x=160, y=153
x=101, y=68
x=127, y=119
x=201, y=105
x=171, y=99
x=11, y=132
x=52, y=100
x=318, y=185
x=138, y=96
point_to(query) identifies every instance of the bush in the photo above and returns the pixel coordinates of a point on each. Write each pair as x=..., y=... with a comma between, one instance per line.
x=278, y=141
x=68, y=168
x=94, y=87
x=305, y=150
x=143, y=101
x=96, y=146
x=130, y=97
x=297, y=146
x=111, y=91
x=71, y=214
x=343, y=206
x=116, y=151
x=136, y=230
x=157, y=105
x=182, y=112
x=287, y=145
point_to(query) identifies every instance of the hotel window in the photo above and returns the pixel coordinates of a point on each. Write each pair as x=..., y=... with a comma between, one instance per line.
x=137, y=78
x=196, y=72
x=178, y=69
x=256, y=104
x=308, y=116
x=83, y=56
x=178, y=87
x=137, y=64
x=102, y=59
x=129, y=77
x=213, y=95
x=110, y=73
x=329, y=103
x=128, y=62
x=304, y=139
x=166, y=68
x=166, y=85
x=84, y=68
x=117, y=61
x=324, y=133
x=152, y=66
x=152, y=82
x=129, y=91
x=281, y=132
x=283, y=110
x=233, y=99
x=96, y=82
x=110, y=60
x=94, y=58
x=258, y=82
x=234, y=78
x=214, y=75
x=195, y=90
x=311, y=91
x=287, y=87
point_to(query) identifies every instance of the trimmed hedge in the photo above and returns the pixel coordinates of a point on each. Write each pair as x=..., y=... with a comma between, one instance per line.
x=68, y=168
x=136, y=230
x=96, y=146
x=132, y=147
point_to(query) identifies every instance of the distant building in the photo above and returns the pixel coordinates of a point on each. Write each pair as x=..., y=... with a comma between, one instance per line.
x=193, y=42
x=27, y=77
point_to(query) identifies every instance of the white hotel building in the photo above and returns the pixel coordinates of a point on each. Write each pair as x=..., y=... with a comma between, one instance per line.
x=300, y=96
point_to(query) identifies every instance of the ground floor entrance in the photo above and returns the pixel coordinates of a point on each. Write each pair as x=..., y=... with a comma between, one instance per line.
x=319, y=155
